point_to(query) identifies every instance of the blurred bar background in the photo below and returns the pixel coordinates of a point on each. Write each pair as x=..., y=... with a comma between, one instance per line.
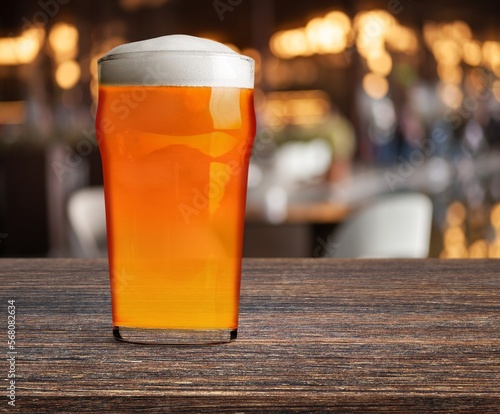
x=354, y=100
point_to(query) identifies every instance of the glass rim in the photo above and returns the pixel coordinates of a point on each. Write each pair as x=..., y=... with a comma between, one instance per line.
x=198, y=53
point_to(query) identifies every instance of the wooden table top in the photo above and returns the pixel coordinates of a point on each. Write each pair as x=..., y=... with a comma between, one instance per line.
x=315, y=335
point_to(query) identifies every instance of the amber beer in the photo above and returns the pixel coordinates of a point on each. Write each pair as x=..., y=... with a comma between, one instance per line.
x=175, y=162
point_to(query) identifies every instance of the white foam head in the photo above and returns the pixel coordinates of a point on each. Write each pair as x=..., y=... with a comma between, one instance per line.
x=176, y=60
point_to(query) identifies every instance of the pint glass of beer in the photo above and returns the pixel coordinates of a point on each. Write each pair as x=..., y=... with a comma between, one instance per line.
x=175, y=125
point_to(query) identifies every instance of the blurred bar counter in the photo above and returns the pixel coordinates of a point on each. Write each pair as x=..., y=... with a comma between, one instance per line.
x=283, y=218
x=290, y=220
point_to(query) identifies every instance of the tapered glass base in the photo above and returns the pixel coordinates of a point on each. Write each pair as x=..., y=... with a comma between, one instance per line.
x=174, y=336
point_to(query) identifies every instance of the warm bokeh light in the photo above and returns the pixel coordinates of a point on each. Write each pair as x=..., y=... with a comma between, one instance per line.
x=341, y=19
x=491, y=56
x=454, y=236
x=447, y=52
x=375, y=86
x=296, y=42
x=455, y=252
x=494, y=250
x=276, y=44
x=295, y=108
x=333, y=33
x=371, y=27
x=455, y=215
x=374, y=23
x=455, y=239
x=402, y=39
x=367, y=45
x=453, y=42
x=451, y=95
x=491, y=52
x=68, y=74
x=460, y=30
x=63, y=40
x=409, y=42
x=431, y=33
x=380, y=63
x=322, y=35
x=22, y=49
x=290, y=43
x=478, y=250
x=472, y=53
x=450, y=73
x=325, y=36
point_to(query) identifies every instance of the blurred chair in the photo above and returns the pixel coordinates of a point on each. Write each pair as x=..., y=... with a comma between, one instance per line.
x=393, y=226
x=87, y=219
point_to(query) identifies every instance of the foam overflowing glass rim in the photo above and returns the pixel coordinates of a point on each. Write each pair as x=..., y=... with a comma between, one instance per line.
x=176, y=67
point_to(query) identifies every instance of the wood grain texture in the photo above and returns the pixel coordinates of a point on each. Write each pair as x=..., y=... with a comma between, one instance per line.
x=315, y=335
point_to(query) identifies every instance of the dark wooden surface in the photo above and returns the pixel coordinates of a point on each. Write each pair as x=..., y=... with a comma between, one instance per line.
x=316, y=335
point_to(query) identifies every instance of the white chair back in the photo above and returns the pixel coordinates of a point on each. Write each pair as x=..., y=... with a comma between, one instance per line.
x=87, y=219
x=394, y=226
